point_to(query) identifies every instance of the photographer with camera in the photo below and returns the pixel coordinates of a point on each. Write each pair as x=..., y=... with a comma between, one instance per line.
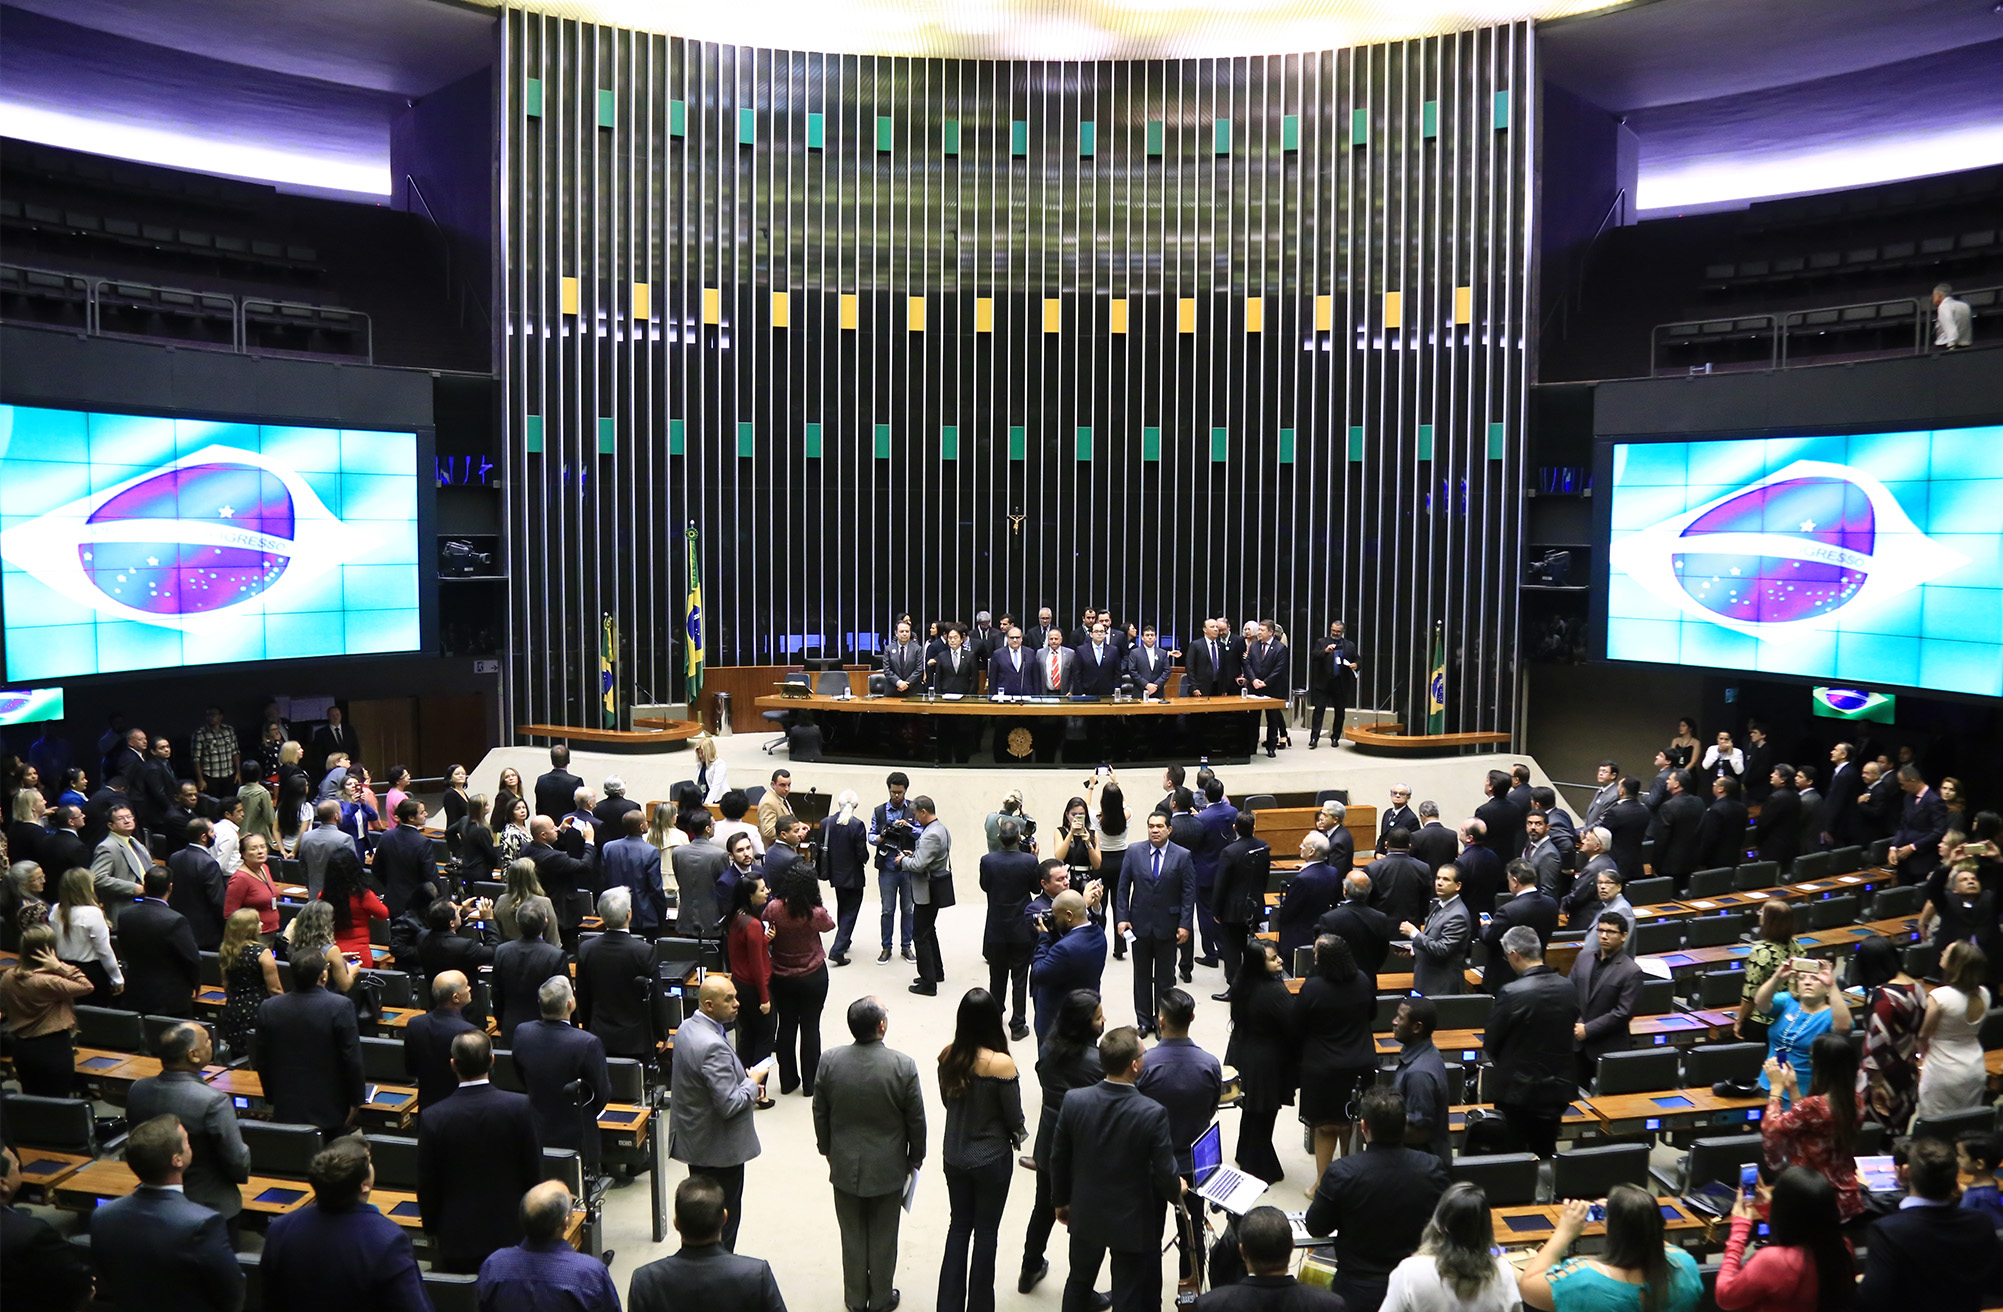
x=893, y=831
x=1011, y=808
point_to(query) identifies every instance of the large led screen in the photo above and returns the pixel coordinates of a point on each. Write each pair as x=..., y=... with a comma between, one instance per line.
x=1874, y=558
x=129, y=542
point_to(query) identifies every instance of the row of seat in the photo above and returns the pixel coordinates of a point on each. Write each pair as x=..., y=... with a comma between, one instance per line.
x=1971, y=189
x=1925, y=255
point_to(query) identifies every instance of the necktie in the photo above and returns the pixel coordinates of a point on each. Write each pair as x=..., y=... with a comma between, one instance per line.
x=1157, y=863
x=1213, y=655
x=1054, y=684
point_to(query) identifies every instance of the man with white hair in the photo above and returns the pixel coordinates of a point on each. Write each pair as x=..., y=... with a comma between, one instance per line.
x=606, y=815
x=1341, y=843
x=610, y=1002
x=1529, y=1038
x=845, y=865
x=1398, y=815
x=582, y=802
x=554, y=1059
x=1954, y=322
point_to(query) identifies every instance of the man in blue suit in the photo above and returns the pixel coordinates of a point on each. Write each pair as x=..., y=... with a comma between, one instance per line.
x=1312, y=893
x=406, y=866
x=1009, y=878
x=1155, y=902
x=634, y=863
x=154, y=1248
x=1008, y=666
x=477, y=1154
x=1220, y=829
x=342, y=1253
x=1070, y=954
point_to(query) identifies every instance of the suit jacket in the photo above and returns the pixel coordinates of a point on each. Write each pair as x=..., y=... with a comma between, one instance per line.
x=158, y=1249
x=1602, y=802
x=1721, y=834
x=45, y=1272
x=779, y=858
x=1268, y=661
x=222, y=1162
x=1076, y=960
x=712, y=1096
x=341, y=1259
x=1777, y=832
x=1942, y=1259
x=869, y=1118
x=1156, y=907
x=611, y=1002
x=321, y=842
x=1187, y=1082
x=1212, y=678
x=1220, y=829
x=1146, y=665
x=440, y=950
x=556, y=794
x=477, y=1154
x=1006, y=670
x=1439, y=949
x=1529, y=1038
x=1549, y=862
x=634, y=864
x=521, y=967
x=1678, y=834
x=844, y=852
x=705, y=1278
x=1483, y=879
x=1037, y=680
x=1627, y=824
x=1534, y=908
x=1113, y=1165
x=153, y=795
x=1280, y=1293
x=309, y=1055
x=1098, y=671
x=550, y=1056
x=197, y=893
x=1244, y=869
x=163, y=968
x=1609, y=997
x=328, y=739
x=1400, y=887
x=1505, y=827
x=947, y=677
x=1329, y=675
x=118, y=871
x=1310, y=895
x=1922, y=823
x=1811, y=820
x=405, y=862
x=61, y=850
x=427, y=1053
x=1397, y=817
x=698, y=865
x=1367, y=930
x=1839, y=803
x=1010, y=880
x=906, y=663
x=1376, y=1201
x=1878, y=815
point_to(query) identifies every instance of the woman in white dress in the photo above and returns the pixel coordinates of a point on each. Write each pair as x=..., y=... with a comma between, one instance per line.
x=711, y=775
x=1952, y=1076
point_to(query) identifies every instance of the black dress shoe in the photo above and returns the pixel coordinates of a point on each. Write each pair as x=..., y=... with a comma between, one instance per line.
x=1270, y=752
x=838, y=959
x=1187, y=978
x=1018, y=1031
x=1225, y=996
x=923, y=990
x=1210, y=963
x=1030, y=1278
x=883, y=956
x=1100, y=1302
x=896, y=1297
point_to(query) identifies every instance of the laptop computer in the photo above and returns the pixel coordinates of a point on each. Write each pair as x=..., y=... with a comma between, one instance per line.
x=1228, y=1187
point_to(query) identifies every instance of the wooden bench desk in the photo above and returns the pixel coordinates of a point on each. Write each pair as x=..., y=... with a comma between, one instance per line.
x=104, y=1179
x=1579, y=1118
x=623, y=1125
x=1673, y=1109
x=1687, y=961
x=42, y=1168
x=1529, y=1227
x=400, y=1206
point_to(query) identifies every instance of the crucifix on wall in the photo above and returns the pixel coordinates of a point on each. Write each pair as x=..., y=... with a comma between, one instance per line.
x=1015, y=519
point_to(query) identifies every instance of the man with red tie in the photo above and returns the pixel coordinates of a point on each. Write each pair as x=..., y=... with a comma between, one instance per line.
x=1056, y=668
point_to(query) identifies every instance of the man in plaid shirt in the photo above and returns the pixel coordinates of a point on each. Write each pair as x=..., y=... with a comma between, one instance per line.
x=214, y=748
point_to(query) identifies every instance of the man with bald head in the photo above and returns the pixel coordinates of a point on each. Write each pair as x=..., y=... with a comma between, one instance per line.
x=427, y=1039
x=477, y=1154
x=714, y=1099
x=1367, y=930
x=542, y=1271
x=1070, y=954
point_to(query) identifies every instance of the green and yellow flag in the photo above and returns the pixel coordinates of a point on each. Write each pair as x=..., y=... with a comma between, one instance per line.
x=608, y=661
x=1436, y=684
x=692, y=623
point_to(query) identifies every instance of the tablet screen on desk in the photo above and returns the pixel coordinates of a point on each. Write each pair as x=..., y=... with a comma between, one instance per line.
x=280, y=1197
x=42, y=1166
x=1527, y=1224
x=388, y=1097
x=102, y=1063
x=1672, y=1102
x=407, y=1208
x=1678, y=1022
x=1677, y=959
x=1670, y=1213
x=619, y=1118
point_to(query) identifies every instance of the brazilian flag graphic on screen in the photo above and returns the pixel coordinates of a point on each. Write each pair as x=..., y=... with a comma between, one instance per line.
x=692, y=621
x=1436, y=684
x=608, y=656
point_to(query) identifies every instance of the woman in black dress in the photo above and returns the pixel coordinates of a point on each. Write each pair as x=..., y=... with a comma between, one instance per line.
x=1338, y=1053
x=1265, y=1048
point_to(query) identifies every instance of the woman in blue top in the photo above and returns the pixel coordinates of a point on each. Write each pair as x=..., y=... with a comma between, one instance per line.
x=1638, y=1272
x=1800, y=1004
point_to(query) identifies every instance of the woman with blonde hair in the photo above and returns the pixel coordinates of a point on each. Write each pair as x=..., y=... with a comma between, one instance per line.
x=711, y=775
x=39, y=995
x=313, y=928
x=23, y=908
x=1952, y=1075
x=1453, y=1269
x=289, y=756
x=250, y=975
x=83, y=937
x=525, y=890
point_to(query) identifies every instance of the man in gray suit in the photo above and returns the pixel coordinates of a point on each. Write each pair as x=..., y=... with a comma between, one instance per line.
x=930, y=865
x=118, y=867
x=869, y=1122
x=221, y=1161
x=714, y=1098
x=1607, y=777
x=698, y=864
x=903, y=663
x=1055, y=669
x=1440, y=947
x=320, y=842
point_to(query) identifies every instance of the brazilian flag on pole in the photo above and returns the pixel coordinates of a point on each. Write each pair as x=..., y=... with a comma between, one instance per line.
x=1436, y=684
x=692, y=621
x=608, y=660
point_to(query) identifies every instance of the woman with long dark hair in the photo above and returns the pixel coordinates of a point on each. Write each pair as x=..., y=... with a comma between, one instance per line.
x=747, y=939
x=347, y=894
x=984, y=1126
x=1069, y=1060
x=1637, y=1272
x=1265, y=1049
x=295, y=812
x=1806, y=1264
x=1453, y=1270
x=515, y=828
x=479, y=857
x=799, y=974
x=1338, y=1052
x=1818, y=1131
x=506, y=793
x=1894, y=1004
x=456, y=797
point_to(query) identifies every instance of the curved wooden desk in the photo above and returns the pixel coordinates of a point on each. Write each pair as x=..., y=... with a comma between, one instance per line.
x=646, y=735
x=1392, y=740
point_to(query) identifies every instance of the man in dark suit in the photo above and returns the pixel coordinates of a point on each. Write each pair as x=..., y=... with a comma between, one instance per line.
x=1526, y=904
x=869, y=1122
x=1266, y=1246
x=1502, y=822
x=1777, y=831
x=44, y=1271
x=1367, y=930
x=1182, y=1077
x=1398, y=815
x=1211, y=663
x=903, y=665
x=198, y=886
x=1930, y=1253
x=342, y=1253
x=1112, y=1173
x=153, y=792
x=556, y=792
x=406, y=865
x=1148, y=665
x=1220, y=826
x=703, y=1276
x=1376, y=1202
x=1530, y=1037
x=1721, y=834
x=1098, y=664
x=1878, y=806
x=308, y=1051
x=1238, y=899
x=1070, y=955
x=845, y=865
x=220, y=1162
x=1268, y=673
x=1331, y=683
x=1627, y=822
x=630, y=862
x=1481, y=870
x=1609, y=987
x=1521, y=794
x=156, y=1247
x=564, y=1070
x=1542, y=854
x=1009, y=878
x=1440, y=946
x=126, y=761
x=1678, y=831
x=60, y=847
x=563, y=855
x=1922, y=824
x=163, y=968
x=520, y=967
x=1008, y=664
x=607, y=816
x=477, y=1154
x=612, y=997
x=1333, y=825
x=1311, y=894
x=953, y=669
x=1811, y=807
x=334, y=736
x=1606, y=781
x=1400, y=885
x=427, y=1039
x=1034, y=636
x=1839, y=799
x=1155, y=901
x=444, y=946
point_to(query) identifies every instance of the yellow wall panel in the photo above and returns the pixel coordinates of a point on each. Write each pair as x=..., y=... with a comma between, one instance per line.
x=1053, y=314
x=712, y=305
x=570, y=296
x=914, y=314
x=643, y=300
x=1463, y=305
x=1185, y=315
x=984, y=314
x=1324, y=313
x=1255, y=314
x=848, y=311
x=1116, y=315
x=1394, y=309
x=782, y=310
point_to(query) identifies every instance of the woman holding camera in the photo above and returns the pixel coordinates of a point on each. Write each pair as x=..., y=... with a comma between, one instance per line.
x=1820, y=1130
x=1804, y=1266
x=1801, y=997
x=1637, y=1270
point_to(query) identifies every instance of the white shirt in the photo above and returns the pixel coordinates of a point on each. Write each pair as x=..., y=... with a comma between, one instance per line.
x=225, y=849
x=1954, y=323
x=727, y=829
x=88, y=938
x=718, y=781
x=1415, y=1286
x=1735, y=759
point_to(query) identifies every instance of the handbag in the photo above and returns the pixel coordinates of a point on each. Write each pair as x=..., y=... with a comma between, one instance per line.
x=942, y=890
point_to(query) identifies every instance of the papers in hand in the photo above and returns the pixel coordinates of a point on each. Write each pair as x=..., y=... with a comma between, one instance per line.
x=911, y=1189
